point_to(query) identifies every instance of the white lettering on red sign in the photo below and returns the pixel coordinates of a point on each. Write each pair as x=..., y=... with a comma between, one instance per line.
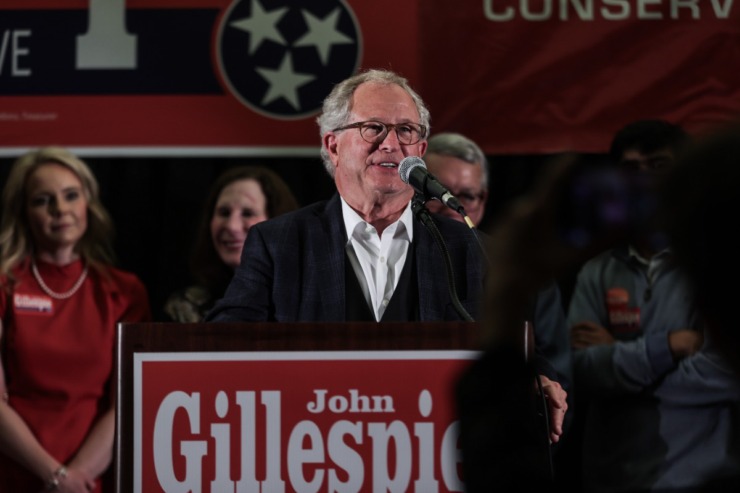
x=307, y=444
x=355, y=403
x=611, y=10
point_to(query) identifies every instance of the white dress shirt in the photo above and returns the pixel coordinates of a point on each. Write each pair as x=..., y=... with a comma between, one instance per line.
x=376, y=260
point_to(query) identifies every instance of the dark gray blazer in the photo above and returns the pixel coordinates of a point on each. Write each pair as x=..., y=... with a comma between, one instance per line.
x=292, y=270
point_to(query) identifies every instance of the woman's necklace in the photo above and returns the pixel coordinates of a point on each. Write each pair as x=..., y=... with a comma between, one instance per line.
x=54, y=294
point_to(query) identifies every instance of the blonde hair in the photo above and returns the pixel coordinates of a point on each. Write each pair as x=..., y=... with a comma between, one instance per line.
x=16, y=241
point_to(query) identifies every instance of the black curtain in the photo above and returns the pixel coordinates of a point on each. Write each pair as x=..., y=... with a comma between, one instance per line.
x=156, y=202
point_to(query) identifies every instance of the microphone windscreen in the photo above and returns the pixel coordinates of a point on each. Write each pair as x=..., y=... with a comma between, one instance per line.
x=407, y=164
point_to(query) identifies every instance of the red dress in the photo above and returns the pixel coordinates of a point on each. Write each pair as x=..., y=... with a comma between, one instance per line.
x=58, y=355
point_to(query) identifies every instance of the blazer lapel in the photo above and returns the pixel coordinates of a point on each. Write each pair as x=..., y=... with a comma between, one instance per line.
x=430, y=282
x=330, y=258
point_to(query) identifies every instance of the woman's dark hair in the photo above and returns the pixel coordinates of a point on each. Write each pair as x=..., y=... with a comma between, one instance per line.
x=206, y=266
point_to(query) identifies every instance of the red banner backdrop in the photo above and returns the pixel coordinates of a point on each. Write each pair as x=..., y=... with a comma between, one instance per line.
x=223, y=77
x=525, y=76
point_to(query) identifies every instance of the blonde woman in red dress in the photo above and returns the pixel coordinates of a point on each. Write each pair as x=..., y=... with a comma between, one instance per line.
x=60, y=301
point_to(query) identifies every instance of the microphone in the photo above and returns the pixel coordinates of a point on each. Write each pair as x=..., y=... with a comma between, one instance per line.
x=414, y=171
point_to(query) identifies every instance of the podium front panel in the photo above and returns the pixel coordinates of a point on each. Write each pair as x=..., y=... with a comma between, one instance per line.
x=289, y=407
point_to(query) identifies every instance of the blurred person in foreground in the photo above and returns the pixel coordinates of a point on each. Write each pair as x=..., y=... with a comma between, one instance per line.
x=461, y=165
x=239, y=198
x=700, y=202
x=60, y=301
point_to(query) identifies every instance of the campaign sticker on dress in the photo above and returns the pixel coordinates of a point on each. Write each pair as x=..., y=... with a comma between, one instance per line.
x=33, y=303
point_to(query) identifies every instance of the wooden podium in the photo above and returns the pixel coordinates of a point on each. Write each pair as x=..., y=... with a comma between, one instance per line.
x=287, y=407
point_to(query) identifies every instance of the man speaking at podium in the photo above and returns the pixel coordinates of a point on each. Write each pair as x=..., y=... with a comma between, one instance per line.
x=360, y=256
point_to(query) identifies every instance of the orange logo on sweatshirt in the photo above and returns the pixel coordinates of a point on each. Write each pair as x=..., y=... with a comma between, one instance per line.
x=622, y=318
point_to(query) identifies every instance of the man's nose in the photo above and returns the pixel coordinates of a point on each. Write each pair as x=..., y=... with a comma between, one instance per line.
x=390, y=141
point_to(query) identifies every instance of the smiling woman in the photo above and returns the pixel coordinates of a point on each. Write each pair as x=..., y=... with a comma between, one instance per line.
x=240, y=205
x=239, y=198
x=60, y=301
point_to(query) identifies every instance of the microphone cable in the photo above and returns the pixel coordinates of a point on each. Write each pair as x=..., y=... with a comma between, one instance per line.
x=479, y=241
x=422, y=213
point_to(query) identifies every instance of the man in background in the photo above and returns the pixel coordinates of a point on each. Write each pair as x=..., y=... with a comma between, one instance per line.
x=460, y=164
x=662, y=405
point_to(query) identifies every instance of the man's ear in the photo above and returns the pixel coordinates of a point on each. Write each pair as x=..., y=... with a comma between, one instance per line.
x=330, y=144
x=423, y=148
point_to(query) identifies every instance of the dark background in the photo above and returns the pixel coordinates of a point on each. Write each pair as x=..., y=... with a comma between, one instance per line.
x=156, y=204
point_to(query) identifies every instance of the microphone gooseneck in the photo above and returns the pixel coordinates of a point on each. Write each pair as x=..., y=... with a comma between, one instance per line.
x=414, y=172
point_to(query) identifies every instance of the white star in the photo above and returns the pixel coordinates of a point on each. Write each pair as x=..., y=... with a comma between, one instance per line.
x=261, y=25
x=284, y=82
x=323, y=33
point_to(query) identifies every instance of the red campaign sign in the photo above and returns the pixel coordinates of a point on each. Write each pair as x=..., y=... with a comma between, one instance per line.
x=224, y=77
x=297, y=421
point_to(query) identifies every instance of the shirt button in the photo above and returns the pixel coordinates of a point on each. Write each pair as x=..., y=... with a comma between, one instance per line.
x=382, y=259
x=385, y=302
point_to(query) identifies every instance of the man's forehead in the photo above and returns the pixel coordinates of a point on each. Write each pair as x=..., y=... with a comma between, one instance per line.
x=373, y=99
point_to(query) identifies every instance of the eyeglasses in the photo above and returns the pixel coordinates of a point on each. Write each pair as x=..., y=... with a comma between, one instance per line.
x=469, y=200
x=374, y=132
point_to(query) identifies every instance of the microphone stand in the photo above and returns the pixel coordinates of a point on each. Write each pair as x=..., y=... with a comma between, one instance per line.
x=422, y=214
